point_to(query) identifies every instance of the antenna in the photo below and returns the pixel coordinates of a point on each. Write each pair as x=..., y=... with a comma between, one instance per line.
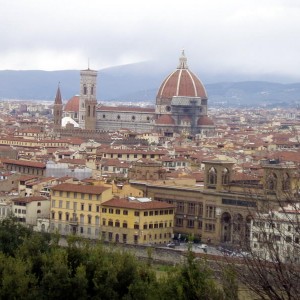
x=88, y=63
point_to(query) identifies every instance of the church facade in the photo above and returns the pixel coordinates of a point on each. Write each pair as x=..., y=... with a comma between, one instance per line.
x=180, y=107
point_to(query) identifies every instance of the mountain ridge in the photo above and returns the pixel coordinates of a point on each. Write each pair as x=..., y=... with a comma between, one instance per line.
x=140, y=82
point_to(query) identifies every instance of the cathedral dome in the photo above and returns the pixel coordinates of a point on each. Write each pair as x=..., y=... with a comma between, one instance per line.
x=181, y=82
x=72, y=105
x=205, y=121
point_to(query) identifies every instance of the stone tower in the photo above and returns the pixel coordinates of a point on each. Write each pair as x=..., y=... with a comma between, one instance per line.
x=57, y=110
x=87, y=99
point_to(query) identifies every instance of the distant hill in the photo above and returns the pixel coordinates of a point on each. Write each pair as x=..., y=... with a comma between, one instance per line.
x=140, y=82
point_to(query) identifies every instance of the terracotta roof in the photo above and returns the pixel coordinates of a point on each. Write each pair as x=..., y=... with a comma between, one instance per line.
x=165, y=120
x=181, y=82
x=125, y=203
x=72, y=105
x=204, y=120
x=30, y=199
x=80, y=188
x=27, y=163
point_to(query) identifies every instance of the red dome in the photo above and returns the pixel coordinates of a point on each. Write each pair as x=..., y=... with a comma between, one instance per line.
x=165, y=120
x=181, y=82
x=204, y=120
x=73, y=104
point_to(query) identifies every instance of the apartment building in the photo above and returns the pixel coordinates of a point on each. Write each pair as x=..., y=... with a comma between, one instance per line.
x=137, y=221
x=75, y=208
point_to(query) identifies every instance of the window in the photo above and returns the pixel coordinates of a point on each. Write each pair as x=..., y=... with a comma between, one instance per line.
x=136, y=226
x=81, y=218
x=145, y=213
x=97, y=208
x=75, y=206
x=150, y=226
x=125, y=212
x=90, y=207
x=136, y=214
x=111, y=210
x=212, y=176
x=180, y=207
x=39, y=204
x=68, y=205
x=89, y=219
x=117, y=223
x=82, y=196
x=53, y=215
x=90, y=196
x=151, y=213
x=179, y=222
x=53, y=203
x=75, y=195
x=82, y=206
x=200, y=209
x=110, y=222
x=210, y=211
x=67, y=217
x=209, y=227
x=97, y=220
x=191, y=208
x=59, y=216
x=156, y=212
x=118, y=211
x=60, y=204
x=104, y=210
x=199, y=224
x=161, y=225
x=145, y=226
x=103, y=222
x=124, y=224
x=190, y=223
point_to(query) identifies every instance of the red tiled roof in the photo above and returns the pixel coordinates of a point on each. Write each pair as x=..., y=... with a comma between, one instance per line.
x=165, y=120
x=30, y=199
x=181, y=82
x=72, y=105
x=125, y=203
x=80, y=188
x=204, y=120
x=27, y=163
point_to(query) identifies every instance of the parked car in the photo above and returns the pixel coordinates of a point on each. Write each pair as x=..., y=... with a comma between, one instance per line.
x=202, y=246
x=171, y=245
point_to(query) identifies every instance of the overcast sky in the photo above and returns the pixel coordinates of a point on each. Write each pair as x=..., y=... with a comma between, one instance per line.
x=251, y=37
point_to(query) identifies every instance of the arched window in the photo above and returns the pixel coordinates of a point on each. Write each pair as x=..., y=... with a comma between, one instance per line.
x=286, y=182
x=89, y=111
x=272, y=182
x=92, y=90
x=84, y=90
x=212, y=176
x=225, y=176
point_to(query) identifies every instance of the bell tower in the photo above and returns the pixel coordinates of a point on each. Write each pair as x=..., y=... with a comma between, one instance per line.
x=57, y=110
x=87, y=99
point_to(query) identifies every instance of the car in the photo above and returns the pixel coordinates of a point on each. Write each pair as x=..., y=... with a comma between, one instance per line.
x=202, y=246
x=171, y=245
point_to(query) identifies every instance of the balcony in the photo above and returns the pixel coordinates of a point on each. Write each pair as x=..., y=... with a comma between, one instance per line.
x=73, y=221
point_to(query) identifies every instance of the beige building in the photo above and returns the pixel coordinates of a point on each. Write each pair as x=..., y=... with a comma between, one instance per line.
x=29, y=209
x=220, y=211
x=137, y=221
x=75, y=208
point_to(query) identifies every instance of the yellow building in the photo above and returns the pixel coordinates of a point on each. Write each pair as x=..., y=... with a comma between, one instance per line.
x=137, y=221
x=75, y=208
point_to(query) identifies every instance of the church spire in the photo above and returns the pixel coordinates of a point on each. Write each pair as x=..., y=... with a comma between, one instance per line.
x=58, y=95
x=182, y=61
